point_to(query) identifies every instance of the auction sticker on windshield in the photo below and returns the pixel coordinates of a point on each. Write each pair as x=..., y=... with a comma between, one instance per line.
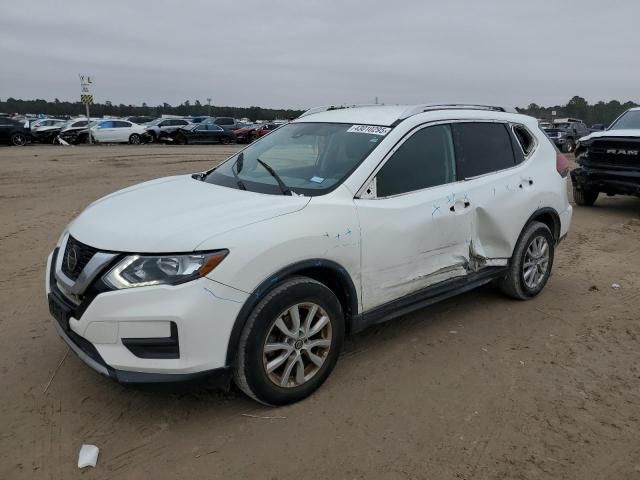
x=370, y=129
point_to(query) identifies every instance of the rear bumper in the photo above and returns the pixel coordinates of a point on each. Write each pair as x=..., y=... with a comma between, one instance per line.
x=626, y=182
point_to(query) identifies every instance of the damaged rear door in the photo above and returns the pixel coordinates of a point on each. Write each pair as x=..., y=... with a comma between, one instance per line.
x=415, y=219
x=498, y=184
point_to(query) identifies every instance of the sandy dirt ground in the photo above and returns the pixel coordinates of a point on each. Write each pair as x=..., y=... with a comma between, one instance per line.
x=477, y=387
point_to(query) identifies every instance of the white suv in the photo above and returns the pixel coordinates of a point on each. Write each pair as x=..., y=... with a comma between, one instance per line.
x=343, y=218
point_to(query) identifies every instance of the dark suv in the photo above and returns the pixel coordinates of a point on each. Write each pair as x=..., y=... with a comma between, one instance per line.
x=13, y=132
x=565, y=133
x=609, y=161
x=227, y=123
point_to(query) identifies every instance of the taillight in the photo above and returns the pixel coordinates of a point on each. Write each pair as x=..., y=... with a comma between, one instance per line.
x=562, y=164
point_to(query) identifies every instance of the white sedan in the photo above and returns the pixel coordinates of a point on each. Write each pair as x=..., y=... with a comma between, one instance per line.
x=118, y=131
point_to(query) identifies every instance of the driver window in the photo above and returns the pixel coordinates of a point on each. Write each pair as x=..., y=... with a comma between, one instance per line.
x=425, y=160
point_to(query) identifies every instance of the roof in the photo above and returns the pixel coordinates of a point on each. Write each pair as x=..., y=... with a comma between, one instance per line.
x=384, y=115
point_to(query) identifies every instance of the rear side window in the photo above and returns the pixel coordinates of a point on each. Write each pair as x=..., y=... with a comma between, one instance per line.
x=121, y=124
x=425, y=160
x=482, y=148
x=524, y=138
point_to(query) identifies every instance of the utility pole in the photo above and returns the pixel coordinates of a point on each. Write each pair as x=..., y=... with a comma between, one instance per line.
x=208, y=106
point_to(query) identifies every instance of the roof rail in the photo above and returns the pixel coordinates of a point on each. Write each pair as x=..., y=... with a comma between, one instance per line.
x=450, y=106
x=326, y=108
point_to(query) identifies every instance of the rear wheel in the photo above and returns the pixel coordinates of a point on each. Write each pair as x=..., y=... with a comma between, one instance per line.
x=135, y=139
x=531, y=263
x=290, y=343
x=585, y=197
x=18, y=139
x=224, y=140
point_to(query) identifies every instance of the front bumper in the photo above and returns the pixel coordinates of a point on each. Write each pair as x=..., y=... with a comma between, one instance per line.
x=607, y=180
x=128, y=334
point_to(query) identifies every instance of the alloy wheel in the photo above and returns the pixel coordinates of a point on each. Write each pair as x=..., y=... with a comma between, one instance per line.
x=536, y=262
x=297, y=345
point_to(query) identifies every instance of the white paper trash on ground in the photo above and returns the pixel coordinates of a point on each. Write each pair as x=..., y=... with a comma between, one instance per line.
x=88, y=456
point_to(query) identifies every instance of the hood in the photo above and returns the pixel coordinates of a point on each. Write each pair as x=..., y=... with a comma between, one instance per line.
x=174, y=214
x=612, y=133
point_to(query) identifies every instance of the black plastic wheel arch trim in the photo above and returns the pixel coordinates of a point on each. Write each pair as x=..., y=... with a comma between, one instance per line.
x=268, y=284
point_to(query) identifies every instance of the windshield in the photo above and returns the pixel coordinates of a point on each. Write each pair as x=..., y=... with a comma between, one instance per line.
x=629, y=120
x=309, y=158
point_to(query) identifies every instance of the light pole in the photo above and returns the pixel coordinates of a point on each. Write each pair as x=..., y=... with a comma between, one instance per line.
x=208, y=106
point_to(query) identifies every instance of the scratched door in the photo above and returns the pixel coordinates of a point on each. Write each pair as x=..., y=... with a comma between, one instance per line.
x=416, y=231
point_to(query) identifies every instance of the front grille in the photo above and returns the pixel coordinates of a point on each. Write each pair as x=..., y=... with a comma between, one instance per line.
x=76, y=256
x=615, y=152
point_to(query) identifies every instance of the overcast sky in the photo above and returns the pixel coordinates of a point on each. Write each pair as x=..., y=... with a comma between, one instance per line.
x=316, y=52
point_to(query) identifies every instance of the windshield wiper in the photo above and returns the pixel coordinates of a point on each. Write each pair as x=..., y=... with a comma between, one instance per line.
x=283, y=187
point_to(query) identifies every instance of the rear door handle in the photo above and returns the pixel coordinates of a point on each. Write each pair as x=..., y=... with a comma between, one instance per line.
x=459, y=206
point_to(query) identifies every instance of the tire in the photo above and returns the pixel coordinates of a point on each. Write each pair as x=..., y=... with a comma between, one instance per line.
x=224, y=140
x=135, y=139
x=277, y=387
x=585, y=197
x=18, y=139
x=181, y=140
x=569, y=146
x=524, y=280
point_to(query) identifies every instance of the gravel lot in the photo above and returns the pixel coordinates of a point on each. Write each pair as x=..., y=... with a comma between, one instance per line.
x=479, y=386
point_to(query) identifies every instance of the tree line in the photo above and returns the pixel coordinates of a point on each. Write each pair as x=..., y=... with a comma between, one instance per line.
x=578, y=107
x=63, y=108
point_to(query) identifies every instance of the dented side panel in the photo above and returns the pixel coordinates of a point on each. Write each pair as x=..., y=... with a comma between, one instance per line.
x=503, y=202
x=412, y=241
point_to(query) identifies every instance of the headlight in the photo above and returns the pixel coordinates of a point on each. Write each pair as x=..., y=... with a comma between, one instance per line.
x=145, y=270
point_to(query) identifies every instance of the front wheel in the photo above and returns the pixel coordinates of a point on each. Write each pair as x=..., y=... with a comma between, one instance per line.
x=290, y=342
x=569, y=146
x=585, y=197
x=531, y=263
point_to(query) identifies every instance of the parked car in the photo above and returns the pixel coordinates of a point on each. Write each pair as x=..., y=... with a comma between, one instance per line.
x=140, y=120
x=202, y=133
x=565, y=132
x=45, y=131
x=246, y=134
x=609, y=161
x=227, y=123
x=74, y=131
x=118, y=131
x=265, y=128
x=332, y=223
x=13, y=132
x=162, y=127
x=198, y=119
x=598, y=127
